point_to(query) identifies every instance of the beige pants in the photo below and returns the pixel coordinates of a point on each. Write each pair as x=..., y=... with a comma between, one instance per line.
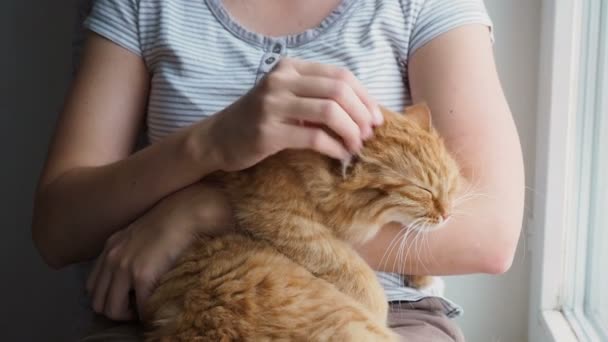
x=421, y=321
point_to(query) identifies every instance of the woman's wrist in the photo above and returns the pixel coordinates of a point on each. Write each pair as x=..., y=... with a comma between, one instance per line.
x=200, y=148
x=212, y=214
x=200, y=208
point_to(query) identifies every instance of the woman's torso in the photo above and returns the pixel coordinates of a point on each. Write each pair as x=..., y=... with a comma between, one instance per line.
x=201, y=59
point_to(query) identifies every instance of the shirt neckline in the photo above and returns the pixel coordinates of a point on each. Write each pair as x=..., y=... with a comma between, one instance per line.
x=268, y=42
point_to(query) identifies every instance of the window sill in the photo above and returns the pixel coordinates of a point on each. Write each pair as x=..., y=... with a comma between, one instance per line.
x=557, y=327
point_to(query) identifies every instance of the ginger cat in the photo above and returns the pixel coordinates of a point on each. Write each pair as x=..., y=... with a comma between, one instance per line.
x=290, y=273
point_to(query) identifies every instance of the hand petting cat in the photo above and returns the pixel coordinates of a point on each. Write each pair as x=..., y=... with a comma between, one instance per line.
x=135, y=258
x=298, y=105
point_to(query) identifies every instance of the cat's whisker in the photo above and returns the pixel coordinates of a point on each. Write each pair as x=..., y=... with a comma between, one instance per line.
x=427, y=249
x=398, y=262
x=470, y=185
x=387, y=253
x=463, y=199
x=477, y=178
x=460, y=213
x=413, y=244
x=428, y=246
x=422, y=234
x=390, y=246
x=394, y=242
x=406, y=231
x=470, y=195
x=419, y=250
x=433, y=259
x=404, y=251
x=470, y=190
x=475, y=194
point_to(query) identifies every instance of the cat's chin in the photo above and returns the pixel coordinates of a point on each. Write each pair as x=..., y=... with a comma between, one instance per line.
x=363, y=232
x=396, y=216
x=433, y=227
x=407, y=222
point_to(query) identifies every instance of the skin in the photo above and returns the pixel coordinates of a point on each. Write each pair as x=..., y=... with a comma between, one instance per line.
x=139, y=226
x=471, y=113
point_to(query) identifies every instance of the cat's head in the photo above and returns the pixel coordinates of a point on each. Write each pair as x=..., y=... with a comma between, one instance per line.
x=403, y=174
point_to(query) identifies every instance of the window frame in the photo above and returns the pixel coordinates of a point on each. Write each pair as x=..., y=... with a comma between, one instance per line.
x=560, y=232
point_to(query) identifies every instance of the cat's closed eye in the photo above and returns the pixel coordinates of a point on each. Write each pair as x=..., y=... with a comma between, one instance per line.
x=426, y=191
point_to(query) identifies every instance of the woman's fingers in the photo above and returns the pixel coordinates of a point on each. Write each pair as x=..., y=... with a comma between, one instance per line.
x=110, y=243
x=314, y=138
x=117, y=300
x=294, y=92
x=325, y=113
x=101, y=285
x=317, y=69
x=92, y=279
x=340, y=92
x=144, y=284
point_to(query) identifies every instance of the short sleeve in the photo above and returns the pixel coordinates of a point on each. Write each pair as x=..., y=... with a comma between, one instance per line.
x=440, y=16
x=83, y=8
x=116, y=20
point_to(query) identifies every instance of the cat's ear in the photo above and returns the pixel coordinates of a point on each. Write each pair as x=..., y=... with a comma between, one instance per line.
x=348, y=165
x=421, y=114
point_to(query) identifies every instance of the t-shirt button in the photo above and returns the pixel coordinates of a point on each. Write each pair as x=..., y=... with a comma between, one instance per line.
x=277, y=48
x=270, y=60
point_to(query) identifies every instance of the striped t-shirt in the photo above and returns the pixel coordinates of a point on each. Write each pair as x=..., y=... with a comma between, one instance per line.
x=201, y=60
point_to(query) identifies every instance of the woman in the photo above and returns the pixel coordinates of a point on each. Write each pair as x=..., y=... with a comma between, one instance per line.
x=221, y=85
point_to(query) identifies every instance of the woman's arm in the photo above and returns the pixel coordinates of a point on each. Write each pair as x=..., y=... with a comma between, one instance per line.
x=456, y=75
x=90, y=187
x=135, y=258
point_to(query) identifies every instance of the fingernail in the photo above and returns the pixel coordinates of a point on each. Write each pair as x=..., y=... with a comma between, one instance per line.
x=378, y=117
x=367, y=133
x=357, y=148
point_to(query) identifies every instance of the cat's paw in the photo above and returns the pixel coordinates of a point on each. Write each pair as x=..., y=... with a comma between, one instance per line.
x=419, y=282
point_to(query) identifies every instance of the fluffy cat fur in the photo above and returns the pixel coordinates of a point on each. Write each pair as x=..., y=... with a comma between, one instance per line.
x=290, y=273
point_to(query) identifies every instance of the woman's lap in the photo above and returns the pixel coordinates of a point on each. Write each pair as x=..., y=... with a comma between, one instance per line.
x=419, y=321
x=104, y=330
x=423, y=321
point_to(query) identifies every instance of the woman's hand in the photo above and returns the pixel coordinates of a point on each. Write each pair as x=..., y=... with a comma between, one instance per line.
x=134, y=259
x=298, y=105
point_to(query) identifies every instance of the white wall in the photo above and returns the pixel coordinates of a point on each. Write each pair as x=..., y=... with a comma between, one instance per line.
x=40, y=305
x=496, y=308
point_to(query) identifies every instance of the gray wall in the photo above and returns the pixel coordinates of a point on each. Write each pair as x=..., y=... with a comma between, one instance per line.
x=41, y=305
x=37, y=304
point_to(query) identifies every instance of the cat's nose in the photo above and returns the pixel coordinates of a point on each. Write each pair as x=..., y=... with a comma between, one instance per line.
x=446, y=216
